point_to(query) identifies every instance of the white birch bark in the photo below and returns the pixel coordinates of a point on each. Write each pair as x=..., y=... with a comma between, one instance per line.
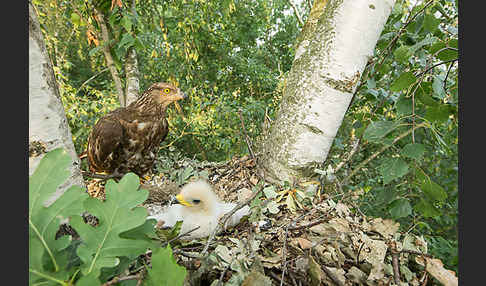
x=131, y=70
x=336, y=42
x=48, y=125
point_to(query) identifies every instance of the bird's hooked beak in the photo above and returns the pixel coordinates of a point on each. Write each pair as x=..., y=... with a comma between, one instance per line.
x=180, y=200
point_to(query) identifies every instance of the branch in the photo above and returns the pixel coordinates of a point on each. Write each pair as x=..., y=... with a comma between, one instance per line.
x=297, y=13
x=246, y=135
x=91, y=78
x=109, y=59
x=116, y=280
x=423, y=124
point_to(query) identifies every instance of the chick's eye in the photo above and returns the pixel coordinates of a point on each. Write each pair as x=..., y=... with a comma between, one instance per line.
x=196, y=201
x=166, y=90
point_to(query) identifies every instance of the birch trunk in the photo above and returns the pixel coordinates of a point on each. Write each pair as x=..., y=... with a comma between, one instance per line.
x=48, y=127
x=131, y=69
x=336, y=42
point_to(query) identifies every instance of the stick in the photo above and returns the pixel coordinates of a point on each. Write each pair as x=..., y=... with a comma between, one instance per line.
x=180, y=235
x=246, y=135
x=116, y=280
x=395, y=262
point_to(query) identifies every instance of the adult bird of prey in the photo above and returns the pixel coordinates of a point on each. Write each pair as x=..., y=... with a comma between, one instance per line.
x=127, y=139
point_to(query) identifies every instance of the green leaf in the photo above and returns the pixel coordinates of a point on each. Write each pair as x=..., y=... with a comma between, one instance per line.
x=144, y=232
x=424, y=94
x=126, y=41
x=430, y=23
x=404, y=106
x=102, y=245
x=405, y=80
x=426, y=209
x=438, y=87
x=413, y=150
x=393, y=168
x=379, y=129
x=448, y=55
x=438, y=113
x=165, y=271
x=433, y=190
x=384, y=195
x=402, y=54
x=425, y=42
x=94, y=50
x=44, y=221
x=127, y=23
x=75, y=19
x=400, y=208
x=270, y=192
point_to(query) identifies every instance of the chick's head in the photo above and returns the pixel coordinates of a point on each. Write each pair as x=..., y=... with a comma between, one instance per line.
x=198, y=197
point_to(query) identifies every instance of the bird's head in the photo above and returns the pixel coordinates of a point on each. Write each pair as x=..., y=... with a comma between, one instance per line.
x=198, y=197
x=165, y=93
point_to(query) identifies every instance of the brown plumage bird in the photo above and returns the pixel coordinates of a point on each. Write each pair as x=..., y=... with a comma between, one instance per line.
x=127, y=139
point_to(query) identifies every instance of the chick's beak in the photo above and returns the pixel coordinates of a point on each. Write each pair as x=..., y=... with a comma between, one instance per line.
x=180, y=200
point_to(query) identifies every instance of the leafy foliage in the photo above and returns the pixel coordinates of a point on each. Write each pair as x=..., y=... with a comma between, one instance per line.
x=102, y=245
x=44, y=220
x=165, y=270
x=103, y=251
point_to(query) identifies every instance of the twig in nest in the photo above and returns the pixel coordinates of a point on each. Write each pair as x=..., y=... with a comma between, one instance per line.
x=278, y=278
x=116, y=280
x=308, y=225
x=284, y=255
x=293, y=279
x=359, y=251
x=395, y=262
x=220, y=281
x=180, y=235
x=246, y=135
x=102, y=177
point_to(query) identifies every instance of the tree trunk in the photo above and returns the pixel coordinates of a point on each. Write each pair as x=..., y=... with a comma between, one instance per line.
x=48, y=126
x=109, y=59
x=131, y=70
x=336, y=42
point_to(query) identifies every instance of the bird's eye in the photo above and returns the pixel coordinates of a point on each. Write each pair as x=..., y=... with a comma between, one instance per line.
x=167, y=90
x=196, y=201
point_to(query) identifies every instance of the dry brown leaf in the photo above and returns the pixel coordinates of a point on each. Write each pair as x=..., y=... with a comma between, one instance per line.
x=303, y=243
x=436, y=268
x=385, y=227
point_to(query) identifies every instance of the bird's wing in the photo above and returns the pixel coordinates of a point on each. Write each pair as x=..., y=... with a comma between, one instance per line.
x=237, y=216
x=170, y=215
x=104, y=140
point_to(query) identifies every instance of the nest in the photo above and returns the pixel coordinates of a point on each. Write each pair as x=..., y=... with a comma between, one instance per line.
x=321, y=242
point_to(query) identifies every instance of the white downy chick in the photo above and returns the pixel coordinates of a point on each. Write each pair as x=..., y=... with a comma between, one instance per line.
x=198, y=205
